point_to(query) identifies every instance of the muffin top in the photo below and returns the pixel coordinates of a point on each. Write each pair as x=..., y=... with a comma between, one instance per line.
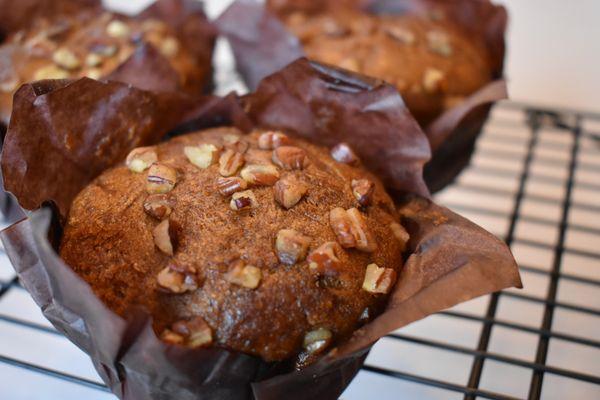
x=259, y=243
x=90, y=43
x=433, y=64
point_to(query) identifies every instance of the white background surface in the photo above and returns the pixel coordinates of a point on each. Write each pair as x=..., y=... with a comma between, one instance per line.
x=553, y=58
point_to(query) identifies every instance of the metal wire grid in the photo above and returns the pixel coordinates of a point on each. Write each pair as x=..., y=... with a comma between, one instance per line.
x=581, y=150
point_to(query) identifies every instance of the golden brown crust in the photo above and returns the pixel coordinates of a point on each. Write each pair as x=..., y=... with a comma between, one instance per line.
x=93, y=44
x=108, y=240
x=431, y=62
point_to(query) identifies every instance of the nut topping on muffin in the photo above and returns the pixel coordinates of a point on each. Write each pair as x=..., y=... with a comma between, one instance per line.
x=343, y=153
x=324, y=260
x=400, y=34
x=118, y=29
x=379, y=280
x=161, y=179
x=400, y=234
x=316, y=341
x=230, y=162
x=243, y=200
x=363, y=190
x=230, y=185
x=288, y=191
x=66, y=59
x=176, y=279
x=439, y=43
x=162, y=237
x=141, y=158
x=271, y=140
x=351, y=229
x=291, y=246
x=247, y=276
x=433, y=80
x=202, y=156
x=158, y=206
x=290, y=157
x=260, y=175
x=193, y=333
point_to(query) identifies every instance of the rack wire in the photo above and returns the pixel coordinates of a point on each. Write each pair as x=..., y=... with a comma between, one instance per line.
x=535, y=182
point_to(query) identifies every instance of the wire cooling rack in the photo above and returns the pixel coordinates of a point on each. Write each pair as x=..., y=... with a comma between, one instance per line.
x=535, y=182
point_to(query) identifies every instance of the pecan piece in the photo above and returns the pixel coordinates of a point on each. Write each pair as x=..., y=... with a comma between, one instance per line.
x=291, y=246
x=247, y=276
x=66, y=59
x=433, y=80
x=363, y=189
x=324, y=260
x=141, y=158
x=177, y=279
x=378, y=280
x=260, y=175
x=343, y=153
x=195, y=332
x=159, y=206
x=316, y=341
x=50, y=72
x=439, y=43
x=230, y=162
x=351, y=229
x=289, y=191
x=231, y=185
x=202, y=156
x=401, y=234
x=400, y=34
x=169, y=47
x=243, y=200
x=161, y=179
x=118, y=29
x=162, y=237
x=290, y=157
x=271, y=140
x=235, y=142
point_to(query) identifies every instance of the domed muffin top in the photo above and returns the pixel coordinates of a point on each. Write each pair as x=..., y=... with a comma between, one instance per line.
x=258, y=243
x=431, y=62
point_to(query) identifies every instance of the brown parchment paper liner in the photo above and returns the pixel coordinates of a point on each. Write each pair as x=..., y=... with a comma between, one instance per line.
x=451, y=259
x=261, y=45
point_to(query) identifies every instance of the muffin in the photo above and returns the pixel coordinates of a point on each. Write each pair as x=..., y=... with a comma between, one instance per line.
x=96, y=44
x=432, y=62
x=258, y=243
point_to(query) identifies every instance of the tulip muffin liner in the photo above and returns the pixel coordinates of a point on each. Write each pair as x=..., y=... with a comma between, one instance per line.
x=64, y=133
x=146, y=68
x=261, y=45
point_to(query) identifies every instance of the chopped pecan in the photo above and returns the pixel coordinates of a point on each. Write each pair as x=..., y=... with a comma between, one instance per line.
x=260, y=175
x=118, y=29
x=159, y=206
x=162, y=237
x=288, y=191
x=439, y=42
x=141, y=158
x=343, y=153
x=235, y=142
x=401, y=234
x=379, y=280
x=316, y=341
x=202, y=156
x=433, y=80
x=161, y=179
x=291, y=246
x=351, y=229
x=50, y=72
x=231, y=185
x=400, y=34
x=271, y=140
x=243, y=200
x=66, y=59
x=230, y=162
x=324, y=260
x=169, y=47
x=363, y=190
x=290, y=157
x=247, y=276
x=195, y=332
x=177, y=279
